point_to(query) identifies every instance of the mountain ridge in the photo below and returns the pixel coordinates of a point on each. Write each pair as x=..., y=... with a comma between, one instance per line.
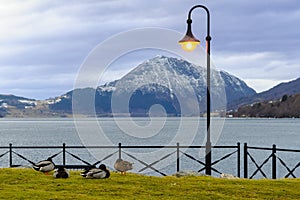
x=288, y=106
x=285, y=88
x=167, y=81
x=160, y=80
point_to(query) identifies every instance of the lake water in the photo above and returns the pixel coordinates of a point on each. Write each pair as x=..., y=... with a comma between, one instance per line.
x=285, y=133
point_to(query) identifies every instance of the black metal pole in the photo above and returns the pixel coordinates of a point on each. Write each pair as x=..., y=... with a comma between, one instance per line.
x=10, y=154
x=208, y=140
x=274, y=161
x=245, y=160
x=238, y=160
x=64, y=154
x=120, y=150
x=177, y=153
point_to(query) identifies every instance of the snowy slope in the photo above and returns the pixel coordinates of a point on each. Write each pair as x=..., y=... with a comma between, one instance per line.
x=178, y=86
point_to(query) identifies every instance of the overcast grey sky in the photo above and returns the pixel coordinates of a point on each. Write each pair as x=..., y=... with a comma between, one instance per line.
x=43, y=43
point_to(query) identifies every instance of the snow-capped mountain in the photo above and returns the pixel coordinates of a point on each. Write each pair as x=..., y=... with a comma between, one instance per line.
x=161, y=84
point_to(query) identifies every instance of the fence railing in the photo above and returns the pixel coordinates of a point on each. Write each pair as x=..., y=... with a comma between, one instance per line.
x=177, y=153
x=272, y=157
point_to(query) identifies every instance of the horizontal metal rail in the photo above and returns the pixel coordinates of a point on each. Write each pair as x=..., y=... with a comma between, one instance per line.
x=273, y=158
x=12, y=152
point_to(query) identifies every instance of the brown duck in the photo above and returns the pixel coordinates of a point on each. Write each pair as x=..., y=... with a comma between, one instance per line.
x=122, y=166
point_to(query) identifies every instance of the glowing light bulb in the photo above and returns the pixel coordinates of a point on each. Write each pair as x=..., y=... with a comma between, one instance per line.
x=189, y=45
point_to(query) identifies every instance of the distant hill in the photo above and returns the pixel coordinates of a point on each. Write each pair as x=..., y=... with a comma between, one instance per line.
x=12, y=101
x=280, y=101
x=288, y=88
x=15, y=106
x=286, y=106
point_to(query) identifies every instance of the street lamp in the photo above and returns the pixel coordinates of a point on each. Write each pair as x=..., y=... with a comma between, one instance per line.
x=189, y=43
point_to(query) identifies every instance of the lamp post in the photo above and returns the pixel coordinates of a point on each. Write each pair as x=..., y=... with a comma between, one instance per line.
x=189, y=43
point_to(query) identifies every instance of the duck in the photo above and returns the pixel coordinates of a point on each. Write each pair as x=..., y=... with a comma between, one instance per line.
x=122, y=166
x=44, y=166
x=98, y=173
x=61, y=172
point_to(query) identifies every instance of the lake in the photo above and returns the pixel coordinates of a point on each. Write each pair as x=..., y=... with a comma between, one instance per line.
x=285, y=133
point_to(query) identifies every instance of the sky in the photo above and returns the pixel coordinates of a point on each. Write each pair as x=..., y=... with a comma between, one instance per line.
x=44, y=43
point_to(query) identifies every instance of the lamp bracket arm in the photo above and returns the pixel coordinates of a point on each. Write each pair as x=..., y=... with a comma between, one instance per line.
x=208, y=17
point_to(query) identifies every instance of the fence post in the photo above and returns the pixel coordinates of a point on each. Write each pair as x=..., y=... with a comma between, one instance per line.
x=177, y=156
x=238, y=159
x=274, y=162
x=245, y=161
x=64, y=154
x=120, y=151
x=10, y=154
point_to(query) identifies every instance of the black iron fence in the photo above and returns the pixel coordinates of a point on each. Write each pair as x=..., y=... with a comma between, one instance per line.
x=273, y=158
x=179, y=156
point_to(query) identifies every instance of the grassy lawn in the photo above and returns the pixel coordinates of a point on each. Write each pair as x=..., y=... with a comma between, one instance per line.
x=29, y=184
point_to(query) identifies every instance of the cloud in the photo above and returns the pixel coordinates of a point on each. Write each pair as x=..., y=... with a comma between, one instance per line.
x=261, y=85
x=34, y=82
x=256, y=25
x=261, y=70
x=48, y=40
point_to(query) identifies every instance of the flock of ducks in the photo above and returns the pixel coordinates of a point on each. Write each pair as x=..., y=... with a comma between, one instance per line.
x=102, y=172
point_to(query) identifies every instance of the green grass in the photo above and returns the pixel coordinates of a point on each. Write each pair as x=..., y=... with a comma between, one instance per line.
x=30, y=184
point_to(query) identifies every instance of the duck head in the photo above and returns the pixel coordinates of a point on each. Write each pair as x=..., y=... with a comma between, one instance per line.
x=103, y=167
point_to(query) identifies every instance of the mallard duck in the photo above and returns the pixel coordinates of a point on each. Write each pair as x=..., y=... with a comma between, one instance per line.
x=61, y=172
x=101, y=172
x=122, y=166
x=44, y=166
